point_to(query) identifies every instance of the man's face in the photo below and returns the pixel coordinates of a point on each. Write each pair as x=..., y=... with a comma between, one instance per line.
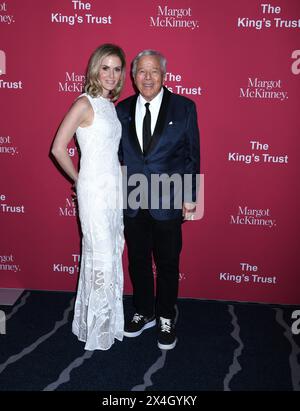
x=149, y=77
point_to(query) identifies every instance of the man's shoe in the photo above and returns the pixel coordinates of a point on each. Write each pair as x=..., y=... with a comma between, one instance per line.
x=166, y=334
x=138, y=324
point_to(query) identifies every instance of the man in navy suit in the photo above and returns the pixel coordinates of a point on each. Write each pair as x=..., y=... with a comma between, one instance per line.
x=160, y=143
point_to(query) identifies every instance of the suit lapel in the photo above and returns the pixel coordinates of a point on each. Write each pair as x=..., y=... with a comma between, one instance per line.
x=161, y=120
x=132, y=129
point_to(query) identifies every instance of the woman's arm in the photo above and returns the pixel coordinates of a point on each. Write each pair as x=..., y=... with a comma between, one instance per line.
x=80, y=115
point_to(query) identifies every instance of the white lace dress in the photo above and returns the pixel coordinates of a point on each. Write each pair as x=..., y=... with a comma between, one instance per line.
x=98, y=315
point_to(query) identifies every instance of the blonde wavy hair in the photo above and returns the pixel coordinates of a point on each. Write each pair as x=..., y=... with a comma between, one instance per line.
x=92, y=84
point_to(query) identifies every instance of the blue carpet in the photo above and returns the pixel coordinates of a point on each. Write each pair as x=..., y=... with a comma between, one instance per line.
x=222, y=346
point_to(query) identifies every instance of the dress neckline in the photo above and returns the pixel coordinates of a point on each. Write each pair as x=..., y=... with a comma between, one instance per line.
x=105, y=98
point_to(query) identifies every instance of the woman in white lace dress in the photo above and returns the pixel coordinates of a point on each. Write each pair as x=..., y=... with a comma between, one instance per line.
x=98, y=316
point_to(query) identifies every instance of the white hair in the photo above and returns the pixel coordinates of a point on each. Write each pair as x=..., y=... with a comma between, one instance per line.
x=162, y=60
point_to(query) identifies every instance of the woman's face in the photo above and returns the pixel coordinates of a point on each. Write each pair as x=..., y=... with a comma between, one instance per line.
x=110, y=73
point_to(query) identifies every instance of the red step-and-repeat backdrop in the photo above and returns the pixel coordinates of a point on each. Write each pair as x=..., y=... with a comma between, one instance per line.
x=238, y=60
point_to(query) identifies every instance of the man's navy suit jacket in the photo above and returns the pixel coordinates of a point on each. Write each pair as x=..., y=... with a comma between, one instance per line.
x=173, y=149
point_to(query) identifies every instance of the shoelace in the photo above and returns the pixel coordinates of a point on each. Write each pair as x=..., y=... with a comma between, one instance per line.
x=137, y=318
x=165, y=325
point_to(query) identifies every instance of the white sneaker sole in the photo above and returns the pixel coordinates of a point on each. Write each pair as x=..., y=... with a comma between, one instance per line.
x=150, y=324
x=167, y=347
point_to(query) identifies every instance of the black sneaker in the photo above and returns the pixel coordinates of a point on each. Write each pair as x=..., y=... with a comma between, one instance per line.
x=138, y=324
x=166, y=334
